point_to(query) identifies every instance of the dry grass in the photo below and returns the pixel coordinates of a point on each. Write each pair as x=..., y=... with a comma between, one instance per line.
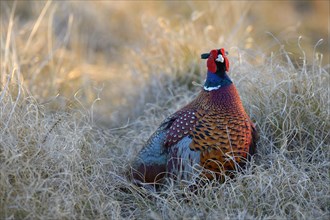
x=83, y=86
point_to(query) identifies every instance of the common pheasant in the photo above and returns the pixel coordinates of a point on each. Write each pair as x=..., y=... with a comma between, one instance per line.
x=211, y=133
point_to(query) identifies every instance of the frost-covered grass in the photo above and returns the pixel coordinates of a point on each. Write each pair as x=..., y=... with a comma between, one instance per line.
x=78, y=100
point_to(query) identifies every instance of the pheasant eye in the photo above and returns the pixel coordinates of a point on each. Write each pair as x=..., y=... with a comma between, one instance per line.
x=220, y=58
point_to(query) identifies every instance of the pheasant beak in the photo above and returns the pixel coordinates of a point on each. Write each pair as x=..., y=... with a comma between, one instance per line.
x=220, y=58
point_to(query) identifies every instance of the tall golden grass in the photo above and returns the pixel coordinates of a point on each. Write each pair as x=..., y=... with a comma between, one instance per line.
x=83, y=85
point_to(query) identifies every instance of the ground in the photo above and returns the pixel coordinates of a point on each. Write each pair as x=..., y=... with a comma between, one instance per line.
x=83, y=86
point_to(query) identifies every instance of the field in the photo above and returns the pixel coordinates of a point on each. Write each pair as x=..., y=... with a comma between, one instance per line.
x=84, y=84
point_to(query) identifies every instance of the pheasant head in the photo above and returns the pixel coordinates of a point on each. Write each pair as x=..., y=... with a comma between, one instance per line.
x=217, y=68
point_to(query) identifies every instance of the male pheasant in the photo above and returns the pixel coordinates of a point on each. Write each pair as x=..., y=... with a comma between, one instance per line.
x=211, y=133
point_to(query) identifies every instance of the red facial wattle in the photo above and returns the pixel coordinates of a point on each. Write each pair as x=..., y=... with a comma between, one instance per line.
x=223, y=52
x=211, y=65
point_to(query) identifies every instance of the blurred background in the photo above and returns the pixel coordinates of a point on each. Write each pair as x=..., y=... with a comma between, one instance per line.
x=115, y=57
x=83, y=84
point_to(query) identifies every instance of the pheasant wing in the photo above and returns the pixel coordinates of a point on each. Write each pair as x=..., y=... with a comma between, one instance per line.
x=150, y=164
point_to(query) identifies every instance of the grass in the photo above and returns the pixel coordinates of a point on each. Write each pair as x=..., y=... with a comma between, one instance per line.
x=79, y=98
